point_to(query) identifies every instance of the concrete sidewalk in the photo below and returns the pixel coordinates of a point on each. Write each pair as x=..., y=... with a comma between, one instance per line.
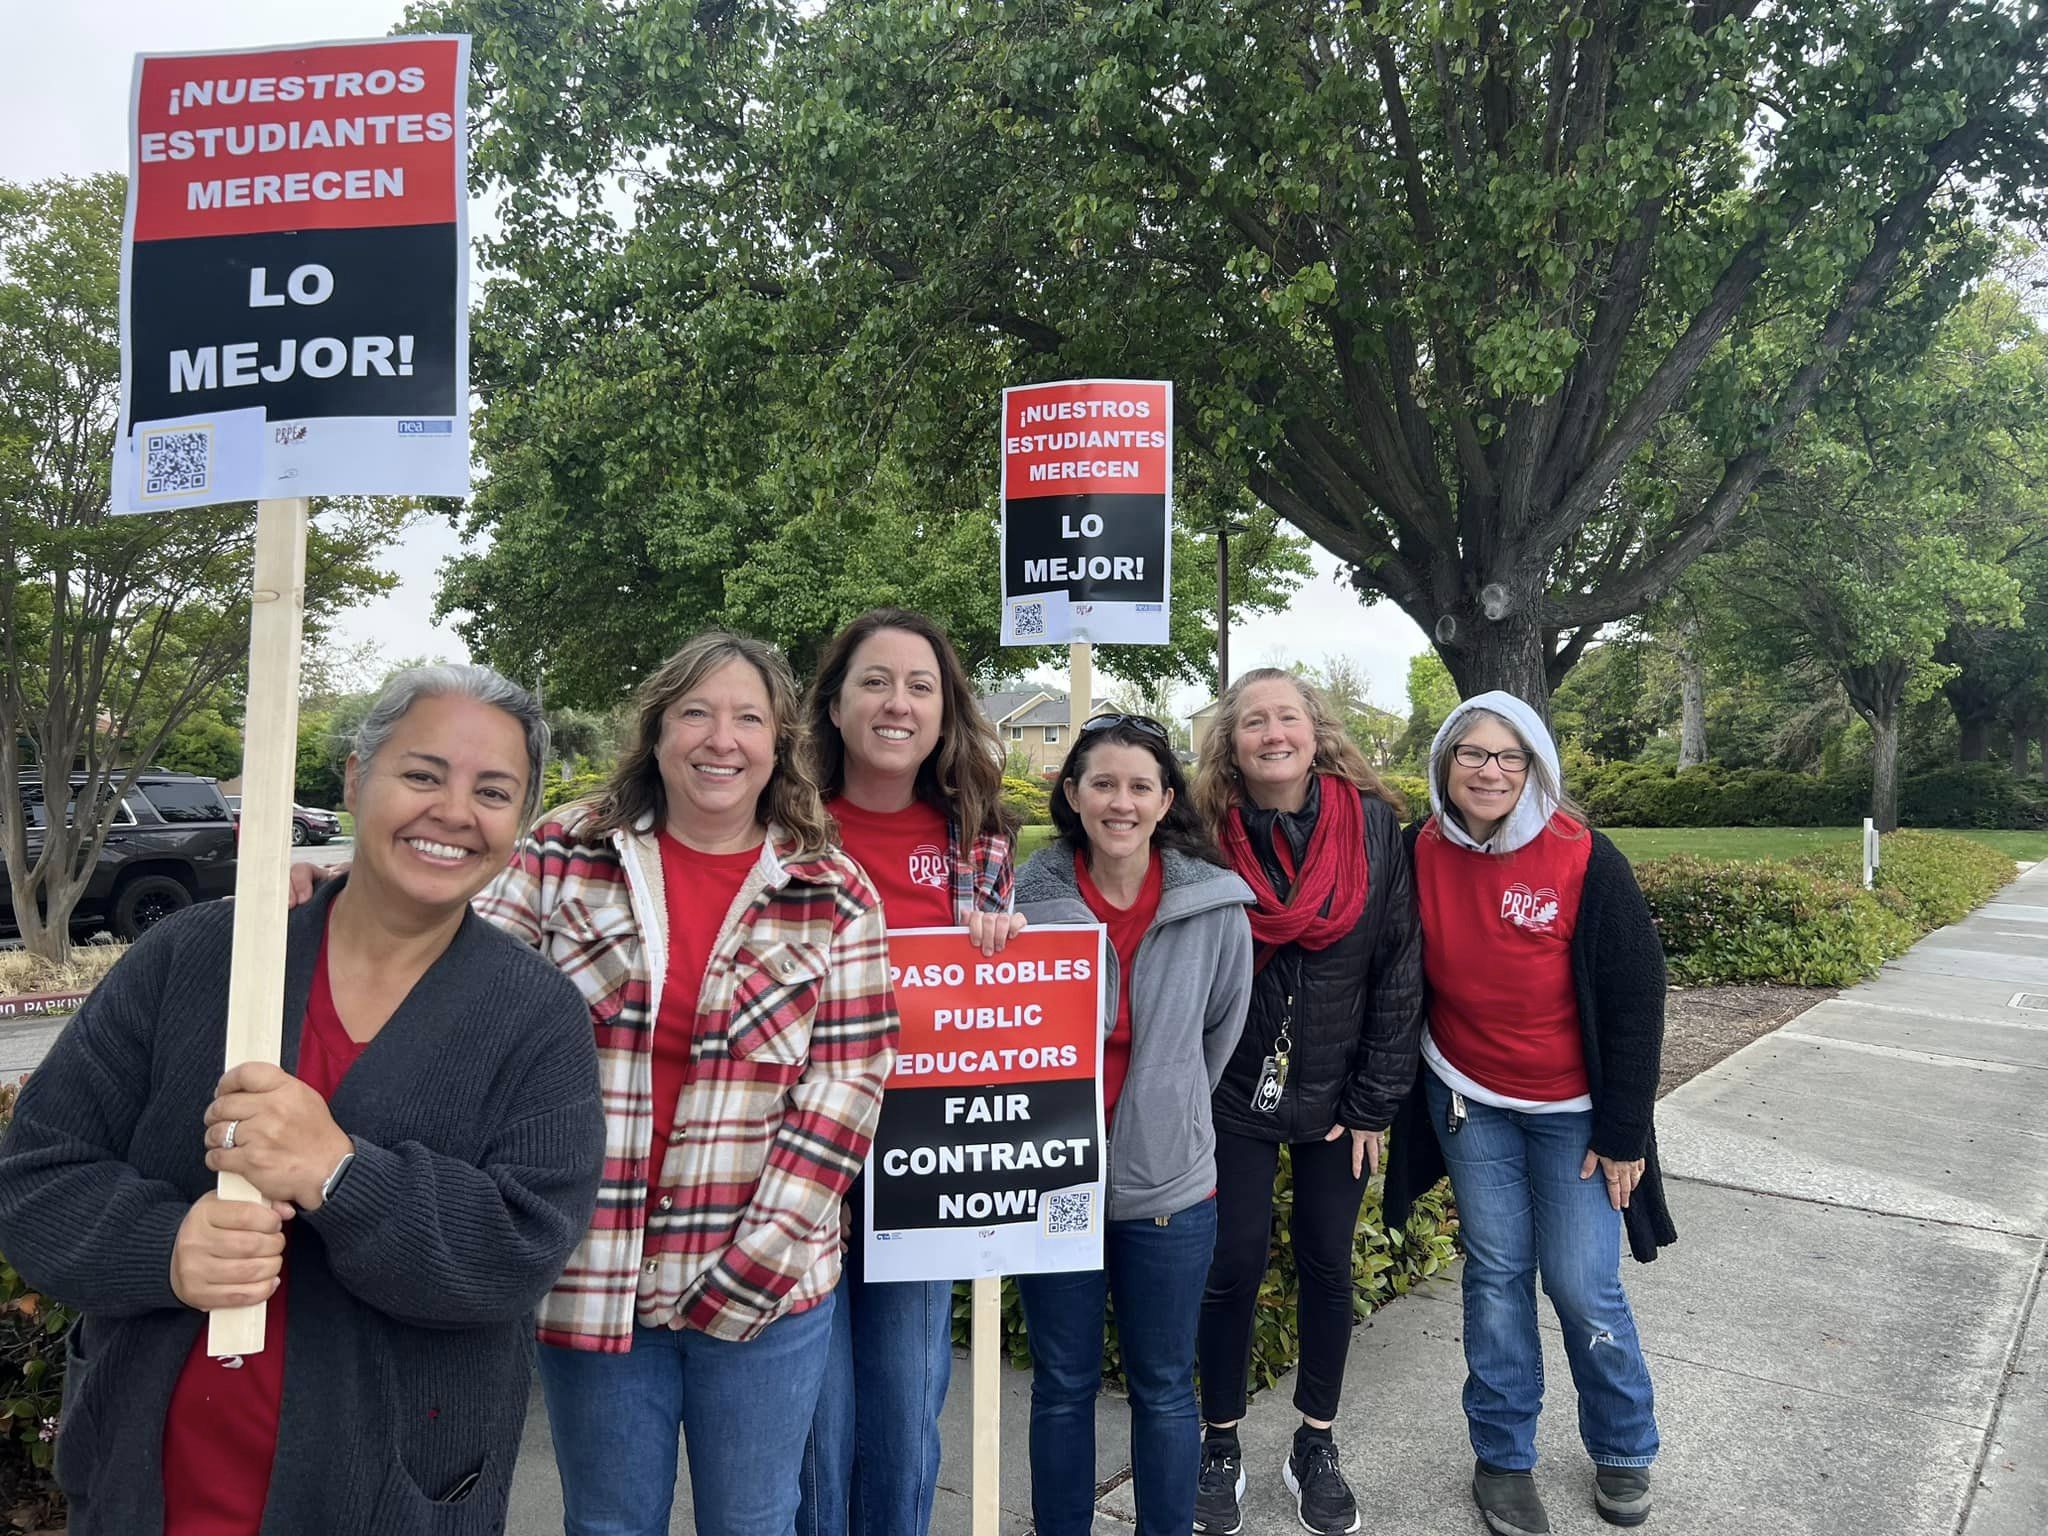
x=1845, y=1340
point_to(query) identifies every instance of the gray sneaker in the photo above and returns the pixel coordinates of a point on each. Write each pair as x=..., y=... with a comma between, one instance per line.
x=1622, y=1494
x=1508, y=1502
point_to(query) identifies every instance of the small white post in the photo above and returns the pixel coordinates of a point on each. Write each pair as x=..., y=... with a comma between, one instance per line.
x=1869, y=853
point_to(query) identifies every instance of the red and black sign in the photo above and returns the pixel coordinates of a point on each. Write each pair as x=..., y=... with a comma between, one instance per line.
x=296, y=242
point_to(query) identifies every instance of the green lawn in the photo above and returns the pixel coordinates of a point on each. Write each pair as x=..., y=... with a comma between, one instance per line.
x=1641, y=843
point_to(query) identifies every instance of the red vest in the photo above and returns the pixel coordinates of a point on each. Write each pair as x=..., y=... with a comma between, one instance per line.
x=1496, y=946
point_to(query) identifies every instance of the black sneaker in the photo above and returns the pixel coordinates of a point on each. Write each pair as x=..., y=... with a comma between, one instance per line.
x=1322, y=1499
x=1508, y=1502
x=1220, y=1487
x=1622, y=1494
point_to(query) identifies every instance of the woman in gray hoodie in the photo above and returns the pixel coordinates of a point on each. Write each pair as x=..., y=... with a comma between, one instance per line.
x=1132, y=855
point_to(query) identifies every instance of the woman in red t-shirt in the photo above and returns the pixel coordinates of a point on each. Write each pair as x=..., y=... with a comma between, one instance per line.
x=912, y=771
x=1546, y=1013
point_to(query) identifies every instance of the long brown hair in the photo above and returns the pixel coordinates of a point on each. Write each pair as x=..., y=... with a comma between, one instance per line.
x=962, y=777
x=790, y=800
x=1218, y=785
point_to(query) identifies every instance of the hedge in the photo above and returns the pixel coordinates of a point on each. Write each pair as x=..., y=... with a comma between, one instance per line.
x=1384, y=1265
x=1809, y=921
x=1648, y=795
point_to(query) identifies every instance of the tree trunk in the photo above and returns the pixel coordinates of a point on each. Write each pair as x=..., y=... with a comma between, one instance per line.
x=1509, y=654
x=1884, y=769
x=1973, y=740
x=1692, y=719
x=2019, y=748
x=2041, y=730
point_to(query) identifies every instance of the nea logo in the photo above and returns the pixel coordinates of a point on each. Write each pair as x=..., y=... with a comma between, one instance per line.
x=1535, y=911
x=928, y=866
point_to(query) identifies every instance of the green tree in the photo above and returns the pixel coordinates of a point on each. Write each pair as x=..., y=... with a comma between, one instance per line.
x=203, y=743
x=1427, y=277
x=1893, y=518
x=113, y=630
x=1432, y=695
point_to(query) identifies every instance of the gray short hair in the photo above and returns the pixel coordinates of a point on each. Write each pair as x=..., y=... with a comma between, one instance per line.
x=445, y=680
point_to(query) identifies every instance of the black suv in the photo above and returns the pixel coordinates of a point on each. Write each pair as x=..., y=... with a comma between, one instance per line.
x=172, y=843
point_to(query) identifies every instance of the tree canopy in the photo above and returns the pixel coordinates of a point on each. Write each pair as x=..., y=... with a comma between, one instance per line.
x=113, y=630
x=1427, y=278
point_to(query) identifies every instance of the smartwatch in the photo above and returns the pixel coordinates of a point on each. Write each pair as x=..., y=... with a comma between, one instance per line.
x=333, y=1181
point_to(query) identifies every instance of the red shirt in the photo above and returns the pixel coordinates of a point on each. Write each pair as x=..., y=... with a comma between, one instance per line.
x=1127, y=926
x=700, y=889
x=1496, y=946
x=905, y=855
x=221, y=1434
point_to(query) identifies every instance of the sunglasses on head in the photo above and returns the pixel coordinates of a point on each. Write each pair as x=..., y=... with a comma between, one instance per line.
x=1142, y=723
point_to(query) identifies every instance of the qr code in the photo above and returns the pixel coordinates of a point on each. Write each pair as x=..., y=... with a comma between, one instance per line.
x=1029, y=618
x=177, y=463
x=1068, y=1212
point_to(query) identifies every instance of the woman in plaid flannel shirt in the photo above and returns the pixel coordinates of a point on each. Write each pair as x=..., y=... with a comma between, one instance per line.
x=912, y=771
x=735, y=966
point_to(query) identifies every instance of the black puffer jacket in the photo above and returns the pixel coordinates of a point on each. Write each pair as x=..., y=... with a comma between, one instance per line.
x=1354, y=1009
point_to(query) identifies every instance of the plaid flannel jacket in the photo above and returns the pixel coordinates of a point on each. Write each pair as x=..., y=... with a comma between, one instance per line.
x=796, y=1032
x=982, y=881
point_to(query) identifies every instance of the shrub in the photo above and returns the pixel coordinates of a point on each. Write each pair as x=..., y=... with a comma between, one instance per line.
x=1413, y=790
x=1939, y=876
x=1383, y=1265
x=1649, y=795
x=1026, y=799
x=32, y=1330
x=558, y=788
x=1771, y=921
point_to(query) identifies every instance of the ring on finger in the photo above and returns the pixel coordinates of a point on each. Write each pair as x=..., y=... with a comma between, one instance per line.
x=227, y=1140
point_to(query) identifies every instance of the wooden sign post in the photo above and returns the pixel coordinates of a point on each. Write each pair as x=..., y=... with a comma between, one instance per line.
x=988, y=1405
x=270, y=736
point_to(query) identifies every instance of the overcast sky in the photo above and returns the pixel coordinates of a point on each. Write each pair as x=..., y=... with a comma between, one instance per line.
x=64, y=111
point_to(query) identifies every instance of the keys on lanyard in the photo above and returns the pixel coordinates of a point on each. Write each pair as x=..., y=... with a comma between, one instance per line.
x=1454, y=1119
x=1272, y=1081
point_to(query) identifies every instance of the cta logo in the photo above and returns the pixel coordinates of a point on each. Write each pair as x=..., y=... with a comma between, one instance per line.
x=1535, y=911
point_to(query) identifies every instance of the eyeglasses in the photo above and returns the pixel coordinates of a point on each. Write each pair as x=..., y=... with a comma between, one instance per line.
x=1142, y=723
x=1511, y=759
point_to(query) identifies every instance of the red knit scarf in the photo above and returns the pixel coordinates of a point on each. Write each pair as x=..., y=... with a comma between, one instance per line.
x=1333, y=871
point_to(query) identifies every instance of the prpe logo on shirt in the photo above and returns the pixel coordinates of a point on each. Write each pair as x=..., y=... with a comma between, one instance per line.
x=1534, y=911
x=928, y=866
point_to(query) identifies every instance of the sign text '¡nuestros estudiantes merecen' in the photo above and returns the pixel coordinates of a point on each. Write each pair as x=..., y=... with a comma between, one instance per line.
x=240, y=363
x=987, y=1059
x=342, y=131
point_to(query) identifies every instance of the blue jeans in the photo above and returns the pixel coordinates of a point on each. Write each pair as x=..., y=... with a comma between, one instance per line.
x=1524, y=1210
x=743, y=1410
x=872, y=1465
x=1154, y=1273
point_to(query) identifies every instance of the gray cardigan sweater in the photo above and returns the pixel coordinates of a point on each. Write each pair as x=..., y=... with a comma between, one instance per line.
x=1190, y=983
x=479, y=1141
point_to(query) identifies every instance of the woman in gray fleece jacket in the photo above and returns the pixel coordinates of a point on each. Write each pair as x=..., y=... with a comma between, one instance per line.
x=1133, y=856
x=426, y=1157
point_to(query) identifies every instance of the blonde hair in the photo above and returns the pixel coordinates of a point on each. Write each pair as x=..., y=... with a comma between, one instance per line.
x=790, y=800
x=1218, y=784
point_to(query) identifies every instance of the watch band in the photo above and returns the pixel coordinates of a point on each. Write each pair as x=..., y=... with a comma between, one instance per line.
x=333, y=1180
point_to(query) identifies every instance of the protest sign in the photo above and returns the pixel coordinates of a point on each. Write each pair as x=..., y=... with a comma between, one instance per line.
x=1087, y=489
x=988, y=1156
x=294, y=275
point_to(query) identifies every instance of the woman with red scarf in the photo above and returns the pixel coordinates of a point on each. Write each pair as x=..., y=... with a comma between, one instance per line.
x=1328, y=1053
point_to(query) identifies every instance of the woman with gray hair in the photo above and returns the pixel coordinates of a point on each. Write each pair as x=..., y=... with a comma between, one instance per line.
x=1545, y=1020
x=427, y=1155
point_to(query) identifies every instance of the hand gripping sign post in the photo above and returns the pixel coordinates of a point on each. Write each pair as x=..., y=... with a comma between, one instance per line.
x=988, y=1158
x=293, y=324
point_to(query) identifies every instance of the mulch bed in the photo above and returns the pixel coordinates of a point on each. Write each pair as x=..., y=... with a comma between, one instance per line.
x=1703, y=1025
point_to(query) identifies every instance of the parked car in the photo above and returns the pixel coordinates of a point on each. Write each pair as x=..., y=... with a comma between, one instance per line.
x=172, y=843
x=310, y=825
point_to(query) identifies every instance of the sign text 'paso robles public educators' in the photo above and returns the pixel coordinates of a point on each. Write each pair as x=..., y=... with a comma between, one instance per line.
x=294, y=275
x=1087, y=512
x=988, y=1156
